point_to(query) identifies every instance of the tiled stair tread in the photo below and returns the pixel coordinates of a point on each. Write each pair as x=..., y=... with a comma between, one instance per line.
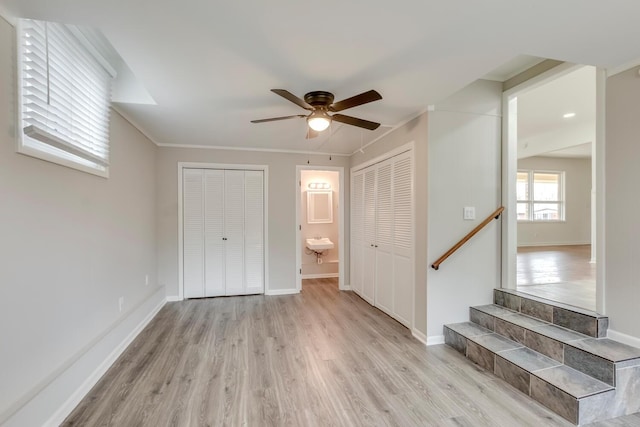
x=559, y=333
x=613, y=351
x=511, y=316
x=570, y=381
x=494, y=310
x=494, y=342
x=554, y=303
x=468, y=329
x=528, y=359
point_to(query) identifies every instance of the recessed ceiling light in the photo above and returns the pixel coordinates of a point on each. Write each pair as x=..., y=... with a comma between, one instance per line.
x=569, y=115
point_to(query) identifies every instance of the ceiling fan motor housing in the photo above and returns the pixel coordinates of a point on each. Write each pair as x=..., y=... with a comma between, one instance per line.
x=319, y=98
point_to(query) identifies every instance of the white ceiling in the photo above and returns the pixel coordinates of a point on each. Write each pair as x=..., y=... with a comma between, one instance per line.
x=541, y=113
x=209, y=65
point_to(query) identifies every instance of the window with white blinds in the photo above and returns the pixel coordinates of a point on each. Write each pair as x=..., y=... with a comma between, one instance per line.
x=64, y=97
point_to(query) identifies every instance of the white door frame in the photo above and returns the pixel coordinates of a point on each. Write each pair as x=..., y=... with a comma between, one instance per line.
x=510, y=168
x=341, y=245
x=195, y=165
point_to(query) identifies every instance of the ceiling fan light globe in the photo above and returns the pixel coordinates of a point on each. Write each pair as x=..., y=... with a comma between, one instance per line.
x=318, y=123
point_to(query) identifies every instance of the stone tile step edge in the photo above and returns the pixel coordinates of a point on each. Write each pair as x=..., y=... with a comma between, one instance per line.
x=580, y=320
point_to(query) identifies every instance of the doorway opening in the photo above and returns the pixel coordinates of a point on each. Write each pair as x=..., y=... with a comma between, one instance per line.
x=551, y=182
x=320, y=226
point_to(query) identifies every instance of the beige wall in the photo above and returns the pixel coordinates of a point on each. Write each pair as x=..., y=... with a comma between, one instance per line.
x=72, y=244
x=281, y=208
x=576, y=229
x=464, y=170
x=622, y=204
x=331, y=230
x=415, y=131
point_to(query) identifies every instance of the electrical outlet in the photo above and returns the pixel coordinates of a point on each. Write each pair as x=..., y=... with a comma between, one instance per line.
x=120, y=303
x=146, y=279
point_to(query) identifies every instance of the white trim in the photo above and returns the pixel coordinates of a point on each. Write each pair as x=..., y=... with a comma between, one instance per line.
x=276, y=292
x=435, y=340
x=623, y=338
x=532, y=245
x=199, y=165
x=420, y=336
x=389, y=154
x=320, y=276
x=256, y=149
x=174, y=298
x=341, y=220
x=46, y=405
x=399, y=125
x=116, y=108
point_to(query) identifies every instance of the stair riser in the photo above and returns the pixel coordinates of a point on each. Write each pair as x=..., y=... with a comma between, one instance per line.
x=578, y=359
x=584, y=410
x=589, y=325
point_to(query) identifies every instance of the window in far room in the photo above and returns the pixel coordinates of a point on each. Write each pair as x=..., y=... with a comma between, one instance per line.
x=540, y=196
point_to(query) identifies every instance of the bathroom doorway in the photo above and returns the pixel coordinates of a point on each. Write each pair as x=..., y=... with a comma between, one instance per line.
x=320, y=225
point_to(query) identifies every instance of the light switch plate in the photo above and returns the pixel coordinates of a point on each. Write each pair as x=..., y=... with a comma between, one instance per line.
x=469, y=213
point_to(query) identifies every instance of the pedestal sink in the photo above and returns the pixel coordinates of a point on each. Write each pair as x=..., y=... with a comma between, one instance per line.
x=319, y=244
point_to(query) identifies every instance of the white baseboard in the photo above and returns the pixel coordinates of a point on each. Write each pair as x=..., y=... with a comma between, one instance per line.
x=274, y=292
x=174, y=298
x=435, y=340
x=623, y=338
x=52, y=402
x=419, y=336
x=534, y=244
x=320, y=276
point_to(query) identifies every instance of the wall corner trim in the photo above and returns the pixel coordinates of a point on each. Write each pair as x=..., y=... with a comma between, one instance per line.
x=435, y=340
x=419, y=336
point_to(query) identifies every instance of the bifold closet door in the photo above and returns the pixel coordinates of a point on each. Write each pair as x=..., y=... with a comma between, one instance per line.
x=384, y=238
x=193, y=231
x=369, y=233
x=357, y=230
x=223, y=232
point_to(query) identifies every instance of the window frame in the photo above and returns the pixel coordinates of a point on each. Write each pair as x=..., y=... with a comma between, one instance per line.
x=42, y=150
x=531, y=202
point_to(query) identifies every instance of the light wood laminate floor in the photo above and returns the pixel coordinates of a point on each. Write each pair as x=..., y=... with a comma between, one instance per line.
x=320, y=358
x=559, y=273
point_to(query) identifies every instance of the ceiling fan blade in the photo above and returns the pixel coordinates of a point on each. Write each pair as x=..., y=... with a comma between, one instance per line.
x=354, y=101
x=291, y=97
x=311, y=133
x=353, y=121
x=275, y=119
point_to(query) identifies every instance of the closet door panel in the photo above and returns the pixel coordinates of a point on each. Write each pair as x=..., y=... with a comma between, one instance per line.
x=214, y=232
x=403, y=238
x=369, y=224
x=384, y=238
x=192, y=233
x=357, y=230
x=234, y=232
x=254, y=232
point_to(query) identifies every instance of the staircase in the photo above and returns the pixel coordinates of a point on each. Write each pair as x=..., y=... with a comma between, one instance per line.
x=557, y=354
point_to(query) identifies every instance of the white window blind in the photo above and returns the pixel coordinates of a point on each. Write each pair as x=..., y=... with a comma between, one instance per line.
x=65, y=95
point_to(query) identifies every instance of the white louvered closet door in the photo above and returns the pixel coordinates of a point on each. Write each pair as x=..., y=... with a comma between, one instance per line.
x=403, y=238
x=384, y=238
x=357, y=230
x=254, y=232
x=214, y=232
x=234, y=232
x=369, y=234
x=193, y=230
